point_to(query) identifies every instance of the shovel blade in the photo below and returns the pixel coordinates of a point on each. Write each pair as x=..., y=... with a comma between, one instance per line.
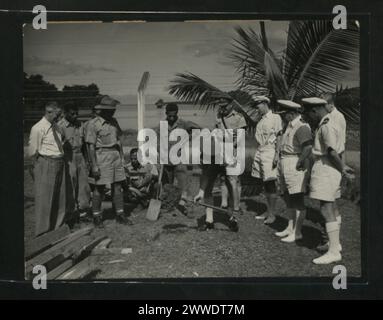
x=153, y=210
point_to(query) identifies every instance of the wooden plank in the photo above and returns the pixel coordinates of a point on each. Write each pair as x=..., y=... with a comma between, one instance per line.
x=52, y=252
x=103, y=244
x=69, y=263
x=76, y=251
x=80, y=270
x=44, y=241
x=53, y=274
x=111, y=251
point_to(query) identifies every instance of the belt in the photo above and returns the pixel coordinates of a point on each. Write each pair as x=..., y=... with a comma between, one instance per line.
x=289, y=155
x=50, y=157
x=107, y=149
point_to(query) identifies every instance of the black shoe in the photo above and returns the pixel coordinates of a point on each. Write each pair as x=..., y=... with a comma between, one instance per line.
x=97, y=220
x=181, y=208
x=233, y=224
x=122, y=219
x=206, y=226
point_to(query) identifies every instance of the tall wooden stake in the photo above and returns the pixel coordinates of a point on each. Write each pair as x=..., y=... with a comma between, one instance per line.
x=141, y=101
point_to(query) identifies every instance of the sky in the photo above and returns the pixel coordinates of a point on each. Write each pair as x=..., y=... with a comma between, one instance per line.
x=115, y=55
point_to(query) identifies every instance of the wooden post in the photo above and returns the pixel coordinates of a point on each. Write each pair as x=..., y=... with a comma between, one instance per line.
x=141, y=101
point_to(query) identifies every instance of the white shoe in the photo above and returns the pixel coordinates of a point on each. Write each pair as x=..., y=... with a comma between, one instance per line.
x=284, y=233
x=325, y=247
x=292, y=238
x=261, y=216
x=329, y=257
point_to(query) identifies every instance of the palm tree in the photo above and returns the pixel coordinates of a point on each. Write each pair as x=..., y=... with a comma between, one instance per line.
x=316, y=59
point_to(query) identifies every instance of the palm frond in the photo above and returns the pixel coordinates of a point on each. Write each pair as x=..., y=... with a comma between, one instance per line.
x=190, y=88
x=259, y=67
x=317, y=55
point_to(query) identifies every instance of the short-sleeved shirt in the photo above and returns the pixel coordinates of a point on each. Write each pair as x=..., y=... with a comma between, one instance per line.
x=42, y=140
x=139, y=173
x=340, y=121
x=73, y=134
x=327, y=136
x=103, y=133
x=268, y=129
x=295, y=137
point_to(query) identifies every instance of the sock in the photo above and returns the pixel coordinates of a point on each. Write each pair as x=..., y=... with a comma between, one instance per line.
x=300, y=217
x=209, y=215
x=96, y=204
x=332, y=229
x=339, y=219
x=290, y=225
x=118, y=200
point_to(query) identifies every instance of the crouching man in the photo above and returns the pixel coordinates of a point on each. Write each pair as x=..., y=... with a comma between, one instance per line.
x=142, y=179
x=295, y=149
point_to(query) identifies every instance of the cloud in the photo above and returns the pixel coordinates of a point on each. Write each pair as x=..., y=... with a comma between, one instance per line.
x=58, y=67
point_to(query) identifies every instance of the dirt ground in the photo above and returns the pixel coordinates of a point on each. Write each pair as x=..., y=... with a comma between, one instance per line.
x=172, y=247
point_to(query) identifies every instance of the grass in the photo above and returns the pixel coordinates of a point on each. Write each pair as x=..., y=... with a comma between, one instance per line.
x=172, y=247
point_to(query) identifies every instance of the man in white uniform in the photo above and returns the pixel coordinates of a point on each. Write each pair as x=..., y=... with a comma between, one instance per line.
x=326, y=173
x=295, y=149
x=264, y=167
x=339, y=119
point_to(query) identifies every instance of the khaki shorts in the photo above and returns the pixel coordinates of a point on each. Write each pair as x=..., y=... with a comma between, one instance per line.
x=110, y=165
x=292, y=180
x=325, y=181
x=262, y=166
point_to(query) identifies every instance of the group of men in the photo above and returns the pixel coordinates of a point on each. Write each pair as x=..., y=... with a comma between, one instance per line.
x=301, y=160
x=75, y=163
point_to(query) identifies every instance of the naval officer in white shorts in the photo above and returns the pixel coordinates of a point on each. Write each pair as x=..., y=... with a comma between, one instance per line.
x=326, y=172
x=295, y=150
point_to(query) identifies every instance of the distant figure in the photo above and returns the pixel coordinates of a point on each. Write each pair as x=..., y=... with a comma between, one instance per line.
x=46, y=149
x=75, y=155
x=142, y=179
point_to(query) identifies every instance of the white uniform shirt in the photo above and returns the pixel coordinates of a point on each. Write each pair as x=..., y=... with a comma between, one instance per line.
x=42, y=141
x=297, y=133
x=340, y=121
x=327, y=136
x=268, y=128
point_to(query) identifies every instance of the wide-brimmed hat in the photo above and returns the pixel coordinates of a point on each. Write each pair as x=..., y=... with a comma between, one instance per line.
x=107, y=103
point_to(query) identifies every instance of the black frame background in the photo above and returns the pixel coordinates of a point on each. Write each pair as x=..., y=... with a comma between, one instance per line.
x=11, y=152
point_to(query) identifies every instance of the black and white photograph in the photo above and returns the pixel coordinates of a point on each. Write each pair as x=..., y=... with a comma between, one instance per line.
x=100, y=98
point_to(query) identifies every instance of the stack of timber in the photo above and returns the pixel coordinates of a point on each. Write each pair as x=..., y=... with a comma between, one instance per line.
x=64, y=254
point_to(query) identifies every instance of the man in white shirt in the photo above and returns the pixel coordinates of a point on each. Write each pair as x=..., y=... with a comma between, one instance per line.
x=264, y=168
x=46, y=149
x=341, y=127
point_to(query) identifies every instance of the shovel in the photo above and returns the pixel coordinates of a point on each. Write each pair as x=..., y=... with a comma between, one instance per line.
x=155, y=204
x=207, y=206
